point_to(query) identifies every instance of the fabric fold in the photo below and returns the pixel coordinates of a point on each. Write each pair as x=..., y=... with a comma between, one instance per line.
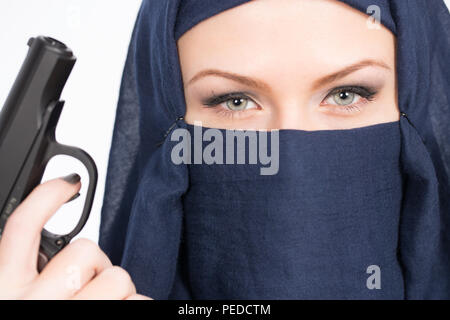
x=155, y=225
x=422, y=247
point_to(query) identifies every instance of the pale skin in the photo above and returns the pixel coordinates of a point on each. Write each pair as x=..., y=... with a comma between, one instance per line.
x=302, y=64
x=95, y=277
x=294, y=64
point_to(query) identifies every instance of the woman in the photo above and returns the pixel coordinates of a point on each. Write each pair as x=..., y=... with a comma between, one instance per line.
x=359, y=206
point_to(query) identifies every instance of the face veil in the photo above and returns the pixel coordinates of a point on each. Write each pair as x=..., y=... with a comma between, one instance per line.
x=200, y=231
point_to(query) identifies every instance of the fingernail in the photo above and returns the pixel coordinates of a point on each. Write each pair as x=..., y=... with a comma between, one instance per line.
x=72, y=178
x=73, y=197
x=42, y=261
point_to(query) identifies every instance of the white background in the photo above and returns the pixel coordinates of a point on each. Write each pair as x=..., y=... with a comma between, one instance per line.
x=98, y=31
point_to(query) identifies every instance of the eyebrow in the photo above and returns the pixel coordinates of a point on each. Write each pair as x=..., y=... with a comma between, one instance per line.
x=251, y=82
x=348, y=70
x=259, y=84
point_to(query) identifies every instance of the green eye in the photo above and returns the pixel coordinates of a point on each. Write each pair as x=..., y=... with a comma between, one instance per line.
x=344, y=98
x=232, y=102
x=237, y=104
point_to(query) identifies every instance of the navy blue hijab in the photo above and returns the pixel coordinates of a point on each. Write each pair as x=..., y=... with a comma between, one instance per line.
x=187, y=231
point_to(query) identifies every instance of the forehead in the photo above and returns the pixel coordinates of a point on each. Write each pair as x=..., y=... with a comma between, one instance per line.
x=287, y=36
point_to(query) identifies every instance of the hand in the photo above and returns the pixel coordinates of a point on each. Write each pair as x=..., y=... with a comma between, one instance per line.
x=79, y=271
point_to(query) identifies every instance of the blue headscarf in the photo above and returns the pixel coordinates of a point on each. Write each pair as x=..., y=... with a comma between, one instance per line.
x=160, y=223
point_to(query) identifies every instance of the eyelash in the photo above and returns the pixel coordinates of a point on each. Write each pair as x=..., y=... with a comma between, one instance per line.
x=365, y=93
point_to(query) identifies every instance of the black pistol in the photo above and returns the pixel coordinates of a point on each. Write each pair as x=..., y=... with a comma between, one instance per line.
x=28, y=122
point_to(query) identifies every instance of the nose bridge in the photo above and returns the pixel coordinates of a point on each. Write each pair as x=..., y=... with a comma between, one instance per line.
x=291, y=114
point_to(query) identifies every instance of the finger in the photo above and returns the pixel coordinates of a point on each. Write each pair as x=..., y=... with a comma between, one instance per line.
x=111, y=284
x=70, y=270
x=19, y=244
x=138, y=297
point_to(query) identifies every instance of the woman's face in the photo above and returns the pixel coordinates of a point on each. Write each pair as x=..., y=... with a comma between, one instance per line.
x=289, y=64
